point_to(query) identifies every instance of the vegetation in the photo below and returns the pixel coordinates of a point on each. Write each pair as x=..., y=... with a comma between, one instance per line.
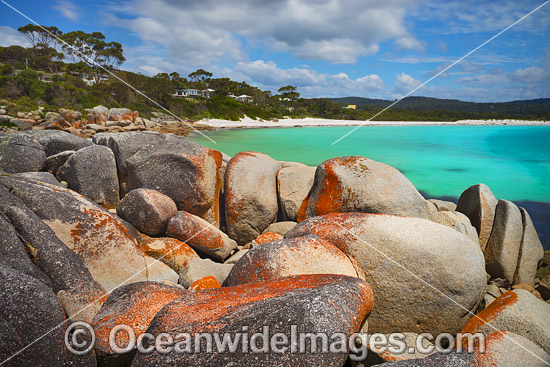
x=38, y=76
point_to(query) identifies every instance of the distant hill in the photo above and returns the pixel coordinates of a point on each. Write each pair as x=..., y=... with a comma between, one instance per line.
x=539, y=106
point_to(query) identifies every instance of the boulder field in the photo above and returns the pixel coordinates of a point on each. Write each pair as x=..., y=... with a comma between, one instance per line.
x=164, y=236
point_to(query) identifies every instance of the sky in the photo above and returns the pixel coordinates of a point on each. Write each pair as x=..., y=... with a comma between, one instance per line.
x=326, y=48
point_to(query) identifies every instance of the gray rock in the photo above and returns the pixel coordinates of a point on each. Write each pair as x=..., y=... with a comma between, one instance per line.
x=531, y=252
x=70, y=115
x=55, y=161
x=478, y=203
x=45, y=177
x=437, y=360
x=109, y=251
x=58, y=141
x=33, y=322
x=544, y=288
x=121, y=115
x=20, y=153
x=199, y=268
x=502, y=251
x=23, y=124
x=420, y=271
x=101, y=111
x=293, y=184
x=92, y=172
x=457, y=221
x=280, y=227
x=148, y=210
x=357, y=184
x=506, y=349
x=236, y=257
x=185, y=171
x=200, y=235
x=443, y=205
x=250, y=195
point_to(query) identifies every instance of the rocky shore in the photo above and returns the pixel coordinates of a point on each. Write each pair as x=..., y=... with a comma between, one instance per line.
x=165, y=236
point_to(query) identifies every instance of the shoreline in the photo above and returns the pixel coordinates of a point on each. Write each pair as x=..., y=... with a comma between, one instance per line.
x=248, y=123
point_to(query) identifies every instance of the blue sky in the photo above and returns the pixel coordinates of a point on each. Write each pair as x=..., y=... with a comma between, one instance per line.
x=326, y=48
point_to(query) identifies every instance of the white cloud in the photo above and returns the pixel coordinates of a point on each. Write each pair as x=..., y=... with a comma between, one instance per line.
x=409, y=43
x=210, y=31
x=68, y=10
x=470, y=67
x=404, y=83
x=10, y=36
x=532, y=74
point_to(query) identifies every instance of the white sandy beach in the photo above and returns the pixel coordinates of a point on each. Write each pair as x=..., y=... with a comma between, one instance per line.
x=311, y=122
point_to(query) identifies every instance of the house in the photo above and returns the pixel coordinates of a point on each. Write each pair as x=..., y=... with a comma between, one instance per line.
x=242, y=98
x=351, y=107
x=89, y=78
x=192, y=93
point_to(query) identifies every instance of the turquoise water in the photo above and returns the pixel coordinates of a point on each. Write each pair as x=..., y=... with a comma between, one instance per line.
x=514, y=161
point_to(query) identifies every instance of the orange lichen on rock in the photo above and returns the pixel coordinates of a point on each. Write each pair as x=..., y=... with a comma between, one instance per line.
x=475, y=323
x=208, y=282
x=174, y=253
x=267, y=237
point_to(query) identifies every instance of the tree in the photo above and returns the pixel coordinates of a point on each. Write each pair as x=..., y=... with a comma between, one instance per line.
x=289, y=92
x=94, y=51
x=200, y=76
x=40, y=36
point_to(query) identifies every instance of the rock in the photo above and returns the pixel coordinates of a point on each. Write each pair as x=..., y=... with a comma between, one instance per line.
x=478, y=203
x=265, y=238
x=531, y=252
x=97, y=128
x=55, y=161
x=121, y=115
x=202, y=284
x=45, y=177
x=185, y=171
x=199, y=268
x=544, y=288
x=3, y=111
x=458, y=222
x=357, y=184
x=294, y=256
x=34, y=323
x=70, y=115
x=148, y=210
x=314, y=303
x=380, y=354
x=502, y=251
x=293, y=184
x=133, y=305
x=101, y=111
x=506, y=349
x=398, y=256
x=517, y=311
x=280, y=227
x=443, y=205
x=20, y=153
x=92, y=172
x=437, y=359
x=105, y=245
x=55, y=142
x=250, y=195
x=174, y=253
x=73, y=284
x=13, y=254
x=23, y=124
x=236, y=257
x=200, y=235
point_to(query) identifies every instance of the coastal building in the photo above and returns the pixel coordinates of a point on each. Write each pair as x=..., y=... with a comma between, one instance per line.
x=242, y=98
x=351, y=107
x=192, y=93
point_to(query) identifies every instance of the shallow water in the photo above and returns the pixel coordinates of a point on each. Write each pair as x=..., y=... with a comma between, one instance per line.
x=514, y=161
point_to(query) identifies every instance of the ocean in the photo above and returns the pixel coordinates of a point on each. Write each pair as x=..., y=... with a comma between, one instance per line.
x=441, y=161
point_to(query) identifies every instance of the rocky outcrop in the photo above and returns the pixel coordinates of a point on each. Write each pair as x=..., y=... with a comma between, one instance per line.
x=357, y=184
x=147, y=210
x=478, y=203
x=105, y=245
x=420, y=271
x=45, y=177
x=121, y=115
x=443, y=205
x=55, y=161
x=200, y=235
x=293, y=185
x=250, y=195
x=58, y=141
x=314, y=303
x=294, y=256
x=96, y=181
x=20, y=153
x=181, y=169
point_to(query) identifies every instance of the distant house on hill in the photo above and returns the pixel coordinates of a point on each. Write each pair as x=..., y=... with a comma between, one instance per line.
x=192, y=93
x=351, y=107
x=242, y=98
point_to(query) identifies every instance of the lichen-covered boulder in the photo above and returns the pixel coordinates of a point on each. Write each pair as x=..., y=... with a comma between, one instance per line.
x=200, y=235
x=20, y=153
x=293, y=256
x=457, y=221
x=478, y=203
x=506, y=349
x=517, y=311
x=45, y=177
x=147, y=210
x=55, y=161
x=55, y=142
x=280, y=227
x=105, y=245
x=173, y=252
x=185, y=171
x=208, y=282
x=265, y=238
x=293, y=185
x=250, y=195
x=313, y=303
x=121, y=115
x=357, y=184
x=133, y=305
x=92, y=172
x=199, y=268
x=420, y=271
x=531, y=252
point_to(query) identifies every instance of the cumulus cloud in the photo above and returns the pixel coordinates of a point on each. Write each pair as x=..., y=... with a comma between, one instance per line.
x=68, y=10
x=10, y=36
x=210, y=31
x=409, y=43
x=497, y=76
x=404, y=83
